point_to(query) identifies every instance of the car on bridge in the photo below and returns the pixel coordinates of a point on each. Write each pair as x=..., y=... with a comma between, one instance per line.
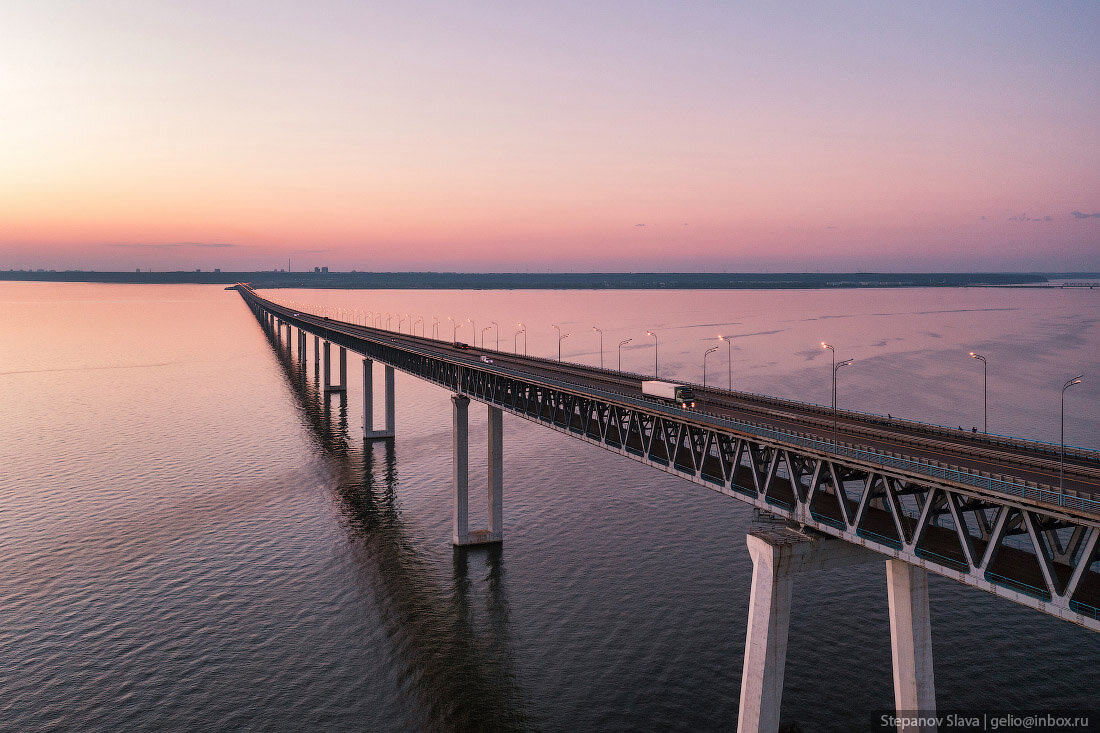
x=461, y=346
x=487, y=360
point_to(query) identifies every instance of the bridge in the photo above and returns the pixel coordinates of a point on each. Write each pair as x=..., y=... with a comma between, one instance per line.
x=1016, y=518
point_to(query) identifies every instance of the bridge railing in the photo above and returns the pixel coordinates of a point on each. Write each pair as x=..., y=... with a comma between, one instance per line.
x=883, y=460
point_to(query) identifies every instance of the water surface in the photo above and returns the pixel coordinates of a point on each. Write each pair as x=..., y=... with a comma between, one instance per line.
x=192, y=538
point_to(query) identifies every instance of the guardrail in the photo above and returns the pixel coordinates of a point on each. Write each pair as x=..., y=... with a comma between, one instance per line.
x=882, y=460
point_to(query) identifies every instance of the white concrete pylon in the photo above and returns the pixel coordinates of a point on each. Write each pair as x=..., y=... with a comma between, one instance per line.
x=911, y=644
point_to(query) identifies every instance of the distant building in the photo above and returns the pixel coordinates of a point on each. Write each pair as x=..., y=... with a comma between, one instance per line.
x=316, y=269
x=324, y=269
x=217, y=269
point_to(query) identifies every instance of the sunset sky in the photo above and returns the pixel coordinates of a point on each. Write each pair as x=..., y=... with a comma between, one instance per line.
x=587, y=135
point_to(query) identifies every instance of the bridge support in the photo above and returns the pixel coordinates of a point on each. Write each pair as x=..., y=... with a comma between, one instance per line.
x=328, y=386
x=911, y=642
x=368, y=402
x=461, y=476
x=778, y=552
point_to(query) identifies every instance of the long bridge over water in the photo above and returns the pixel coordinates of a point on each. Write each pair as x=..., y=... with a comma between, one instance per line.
x=1007, y=516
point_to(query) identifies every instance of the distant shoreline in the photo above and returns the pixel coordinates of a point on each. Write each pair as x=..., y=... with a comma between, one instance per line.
x=561, y=281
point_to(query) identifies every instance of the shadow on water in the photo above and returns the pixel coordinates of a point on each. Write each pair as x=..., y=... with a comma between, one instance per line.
x=454, y=658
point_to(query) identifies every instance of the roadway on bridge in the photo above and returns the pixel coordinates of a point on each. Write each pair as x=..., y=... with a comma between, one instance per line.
x=961, y=449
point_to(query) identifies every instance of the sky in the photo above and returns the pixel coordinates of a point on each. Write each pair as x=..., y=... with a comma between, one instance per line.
x=567, y=136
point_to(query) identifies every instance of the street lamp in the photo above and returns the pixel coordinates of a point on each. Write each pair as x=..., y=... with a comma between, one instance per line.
x=435, y=327
x=836, y=369
x=985, y=390
x=496, y=328
x=454, y=329
x=729, y=359
x=622, y=343
x=400, y=320
x=420, y=320
x=601, y=344
x=473, y=331
x=483, y=335
x=650, y=333
x=1062, y=461
x=388, y=319
x=515, y=340
x=560, y=337
x=707, y=353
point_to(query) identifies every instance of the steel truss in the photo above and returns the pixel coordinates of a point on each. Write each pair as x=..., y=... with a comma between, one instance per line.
x=1038, y=556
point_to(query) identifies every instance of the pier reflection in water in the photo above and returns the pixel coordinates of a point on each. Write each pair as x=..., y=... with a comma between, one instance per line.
x=452, y=643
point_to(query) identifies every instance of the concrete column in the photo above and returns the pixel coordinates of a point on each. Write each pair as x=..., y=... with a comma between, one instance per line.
x=343, y=369
x=460, y=479
x=368, y=398
x=326, y=366
x=778, y=552
x=496, y=473
x=368, y=402
x=765, y=639
x=391, y=416
x=911, y=642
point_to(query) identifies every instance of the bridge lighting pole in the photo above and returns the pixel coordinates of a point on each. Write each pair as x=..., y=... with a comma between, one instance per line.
x=560, y=337
x=420, y=320
x=601, y=344
x=707, y=353
x=985, y=390
x=729, y=360
x=454, y=328
x=435, y=327
x=496, y=328
x=650, y=333
x=483, y=335
x=622, y=343
x=388, y=319
x=836, y=369
x=1062, y=460
x=400, y=320
x=473, y=331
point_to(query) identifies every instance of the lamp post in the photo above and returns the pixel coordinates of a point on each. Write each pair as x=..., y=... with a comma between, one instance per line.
x=473, y=331
x=388, y=319
x=650, y=333
x=454, y=328
x=622, y=343
x=400, y=320
x=483, y=335
x=1062, y=459
x=836, y=369
x=985, y=390
x=496, y=330
x=420, y=320
x=597, y=330
x=435, y=327
x=707, y=353
x=515, y=340
x=561, y=336
x=729, y=360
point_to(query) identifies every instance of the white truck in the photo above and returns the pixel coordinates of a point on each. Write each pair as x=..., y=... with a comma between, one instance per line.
x=676, y=393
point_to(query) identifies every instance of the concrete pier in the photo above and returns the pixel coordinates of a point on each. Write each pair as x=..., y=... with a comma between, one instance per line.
x=911, y=643
x=496, y=474
x=462, y=534
x=326, y=366
x=460, y=468
x=368, y=402
x=778, y=552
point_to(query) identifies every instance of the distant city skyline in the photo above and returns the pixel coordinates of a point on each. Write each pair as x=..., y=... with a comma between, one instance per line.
x=511, y=137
